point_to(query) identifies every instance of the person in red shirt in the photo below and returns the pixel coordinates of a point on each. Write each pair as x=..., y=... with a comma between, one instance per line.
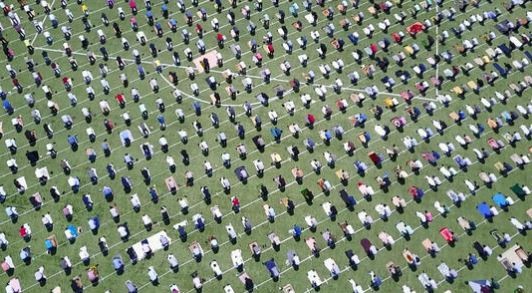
x=235, y=204
x=220, y=38
x=25, y=232
x=271, y=50
x=133, y=6
x=17, y=84
x=199, y=30
x=109, y=125
x=121, y=100
x=310, y=120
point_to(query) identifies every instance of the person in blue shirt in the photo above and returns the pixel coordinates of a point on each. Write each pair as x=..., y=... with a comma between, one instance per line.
x=118, y=264
x=94, y=224
x=296, y=231
x=188, y=15
x=126, y=183
x=206, y=193
x=172, y=23
x=73, y=141
x=197, y=108
x=247, y=225
x=141, y=71
x=162, y=121
x=159, y=29
x=164, y=11
x=375, y=280
x=111, y=171
x=3, y=94
x=472, y=259
x=149, y=16
x=25, y=254
x=153, y=194
x=106, y=148
x=200, y=225
x=7, y=106
x=253, y=45
x=146, y=174
x=182, y=232
x=107, y=193
x=87, y=201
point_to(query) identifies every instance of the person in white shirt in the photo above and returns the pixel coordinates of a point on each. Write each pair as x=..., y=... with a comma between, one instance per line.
x=103, y=70
x=65, y=263
x=273, y=116
x=171, y=163
x=91, y=94
x=174, y=288
x=36, y=114
x=259, y=166
x=517, y=224
x=226, y=159
x=39, y=275
x=147, y=222
x=68, y=211
x=271, y=213
x=154, y=85
x=153, y=275
x=290, y=107
x=165, y=242
x=52, y=18
x=72, y=98
x=3, y=240
x=294, y=129
x=38, y=25
x=328, y=157
x=214, y=243
x=146, y=248
x=141, y=38
x=67, y=32
x=164, y=144
x=225, y=183
x=123, y=232
x=135, y=202
x=208, y=167
x=494, y=211
x=69, y=15
x=84, y=254
x=183, y=135
x=355, y=287
x=47, y=221
x=241, y=149
x=312, y=222
x=434, y=246
x=198, y=284
x=93, y=224
x=105, y=85
x=10, y=70
x=316, y=165
x=115, y=214
x=172, y=261
x=204, y=147
x=487, y=250
x=87, y=76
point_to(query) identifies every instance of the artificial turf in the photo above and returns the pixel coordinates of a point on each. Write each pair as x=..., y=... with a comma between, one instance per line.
x=248, y=193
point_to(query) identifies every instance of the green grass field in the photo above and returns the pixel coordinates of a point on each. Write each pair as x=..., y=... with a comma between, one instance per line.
x=248, y=194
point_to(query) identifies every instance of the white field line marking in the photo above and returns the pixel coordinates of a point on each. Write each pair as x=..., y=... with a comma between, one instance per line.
x=43, y=23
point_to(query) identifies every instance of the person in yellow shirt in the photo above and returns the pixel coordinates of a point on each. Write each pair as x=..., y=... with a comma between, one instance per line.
x=85, y=9
x=158, y=66
x=28, y=45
